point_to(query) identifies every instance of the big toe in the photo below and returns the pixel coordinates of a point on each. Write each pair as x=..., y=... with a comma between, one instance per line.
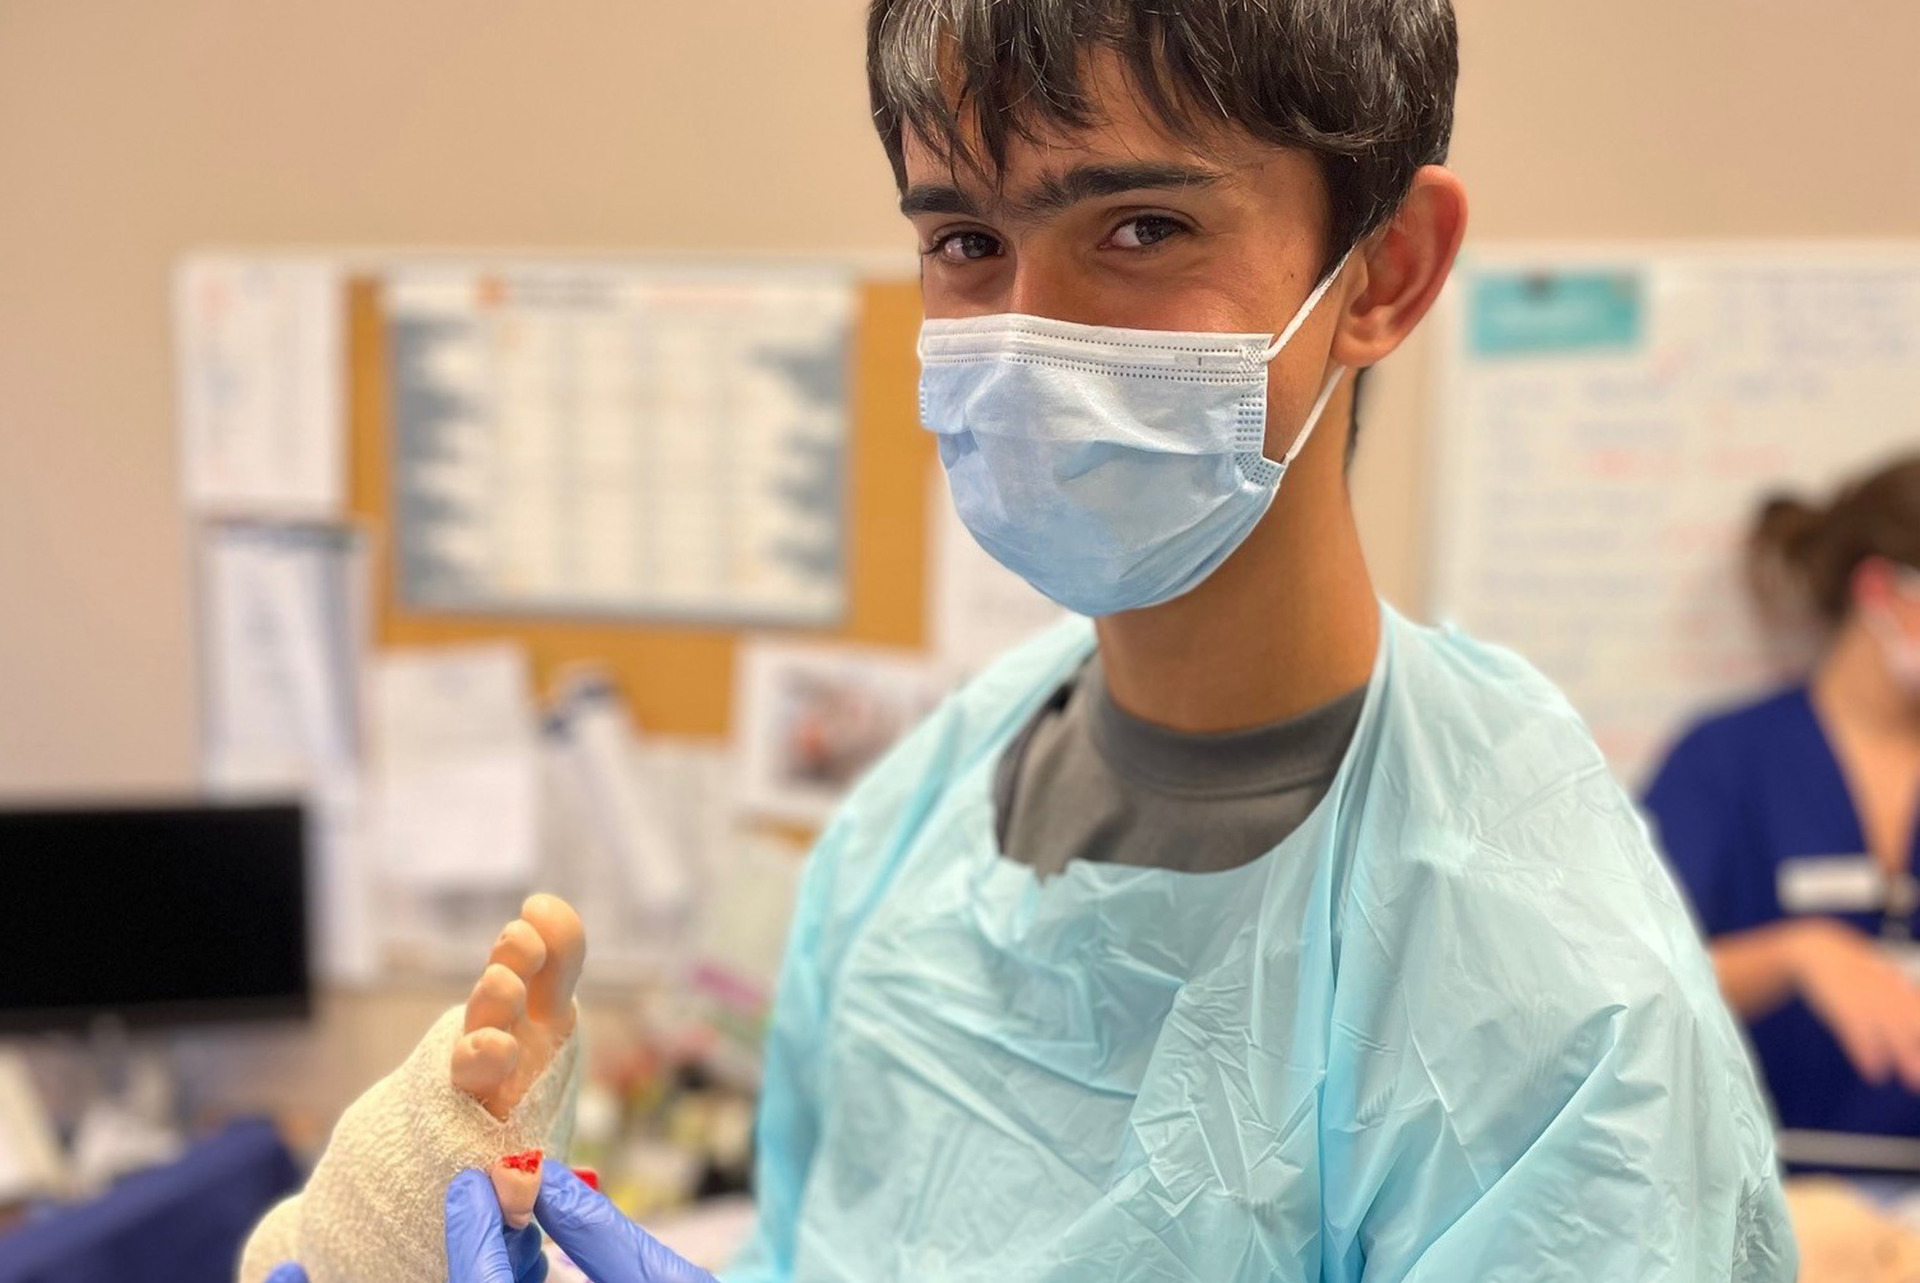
x=550, y=989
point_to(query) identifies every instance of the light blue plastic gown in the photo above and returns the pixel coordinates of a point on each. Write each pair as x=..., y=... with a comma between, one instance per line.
x=1457, y=1027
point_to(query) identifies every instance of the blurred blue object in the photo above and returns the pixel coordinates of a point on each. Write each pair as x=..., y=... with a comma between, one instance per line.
x=181, y=1223
x=1746, y=800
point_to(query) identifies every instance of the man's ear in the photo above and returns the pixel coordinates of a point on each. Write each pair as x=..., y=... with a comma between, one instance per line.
x=1404, y=264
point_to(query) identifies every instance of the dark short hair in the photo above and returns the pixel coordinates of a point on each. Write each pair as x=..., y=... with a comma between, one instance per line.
x=1365, y=86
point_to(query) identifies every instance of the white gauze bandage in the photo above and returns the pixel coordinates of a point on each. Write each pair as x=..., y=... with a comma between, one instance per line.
x=374, y=1209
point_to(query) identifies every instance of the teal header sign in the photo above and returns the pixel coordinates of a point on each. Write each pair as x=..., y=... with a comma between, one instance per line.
x=1522, y=313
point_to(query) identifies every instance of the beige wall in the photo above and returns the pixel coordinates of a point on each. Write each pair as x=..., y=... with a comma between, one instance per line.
x=132, y=131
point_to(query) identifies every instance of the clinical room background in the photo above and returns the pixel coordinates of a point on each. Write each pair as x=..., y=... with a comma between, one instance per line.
x=134, y=135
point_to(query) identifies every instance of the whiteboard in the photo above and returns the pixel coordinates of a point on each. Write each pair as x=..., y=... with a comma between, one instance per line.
x=1611, y=418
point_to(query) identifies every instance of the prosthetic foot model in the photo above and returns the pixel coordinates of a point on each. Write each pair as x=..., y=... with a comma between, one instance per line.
x=491, y=1086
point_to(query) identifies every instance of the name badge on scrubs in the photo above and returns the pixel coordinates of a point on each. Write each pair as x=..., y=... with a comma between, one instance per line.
x=1831, y=884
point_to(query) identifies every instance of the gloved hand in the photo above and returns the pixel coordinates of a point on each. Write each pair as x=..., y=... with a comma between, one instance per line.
x=480, y=1249
x=606, y=1246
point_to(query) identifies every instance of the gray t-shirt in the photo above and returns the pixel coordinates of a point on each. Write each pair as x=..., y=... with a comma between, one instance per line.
x=1086, y=780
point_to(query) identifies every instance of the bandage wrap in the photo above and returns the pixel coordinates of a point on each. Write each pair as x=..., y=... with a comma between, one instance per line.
x=373, y=1211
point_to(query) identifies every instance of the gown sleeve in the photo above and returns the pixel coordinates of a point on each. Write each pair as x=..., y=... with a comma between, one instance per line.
x=1535, y=1077
x=1626, y=1175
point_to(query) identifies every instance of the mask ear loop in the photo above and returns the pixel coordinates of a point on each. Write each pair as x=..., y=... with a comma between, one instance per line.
x=1313, y=419
x=1306, y=308
x=1333, y=379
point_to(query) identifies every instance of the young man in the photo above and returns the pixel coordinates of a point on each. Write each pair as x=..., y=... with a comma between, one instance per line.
x=1248, y=931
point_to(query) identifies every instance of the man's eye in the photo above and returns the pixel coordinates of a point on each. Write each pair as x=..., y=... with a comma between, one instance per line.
x=960, y=247
x=1145, y=231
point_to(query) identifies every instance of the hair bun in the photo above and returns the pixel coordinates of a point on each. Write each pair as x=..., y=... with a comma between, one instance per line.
x=1781, y=552
x=1787, y=529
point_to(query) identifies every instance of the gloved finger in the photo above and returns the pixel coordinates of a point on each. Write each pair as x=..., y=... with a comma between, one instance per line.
x=476, y=1237
x=525, y=1254
x=287, y=1272
x=606, y=1246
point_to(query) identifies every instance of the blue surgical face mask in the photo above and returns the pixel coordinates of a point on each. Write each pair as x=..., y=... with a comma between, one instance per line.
x=1112, y=469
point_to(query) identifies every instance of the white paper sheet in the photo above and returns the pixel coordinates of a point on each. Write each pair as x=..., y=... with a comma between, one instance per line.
x=260, y=350
x=30, y=1160
x=684, y=792
x=627, y=809
x=456, y=773
x=284, y=631
x=343, y=886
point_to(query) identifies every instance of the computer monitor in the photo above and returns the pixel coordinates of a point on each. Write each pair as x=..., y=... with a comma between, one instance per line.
x=154, y=914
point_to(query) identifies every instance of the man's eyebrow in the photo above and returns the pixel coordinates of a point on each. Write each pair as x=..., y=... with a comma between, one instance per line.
x=1056, y=192
x=937, y=198
x=1089, y=182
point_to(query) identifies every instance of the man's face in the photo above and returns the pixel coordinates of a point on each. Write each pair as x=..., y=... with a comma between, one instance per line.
x=1123, y=225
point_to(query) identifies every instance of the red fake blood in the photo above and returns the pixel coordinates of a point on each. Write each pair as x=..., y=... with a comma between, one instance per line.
x=588, y=1177
x=524, y=1162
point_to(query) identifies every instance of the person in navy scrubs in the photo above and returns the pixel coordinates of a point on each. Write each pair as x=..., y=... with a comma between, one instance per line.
x=1794, y=824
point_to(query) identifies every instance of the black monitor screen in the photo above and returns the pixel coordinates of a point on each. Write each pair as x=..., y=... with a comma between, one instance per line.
x=153, y=914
